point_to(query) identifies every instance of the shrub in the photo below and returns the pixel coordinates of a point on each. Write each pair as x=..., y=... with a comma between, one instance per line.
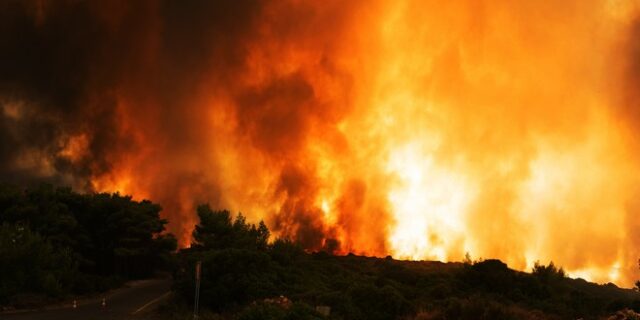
x=263, y=311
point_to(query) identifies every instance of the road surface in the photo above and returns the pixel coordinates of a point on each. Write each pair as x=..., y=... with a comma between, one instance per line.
x=133, y=302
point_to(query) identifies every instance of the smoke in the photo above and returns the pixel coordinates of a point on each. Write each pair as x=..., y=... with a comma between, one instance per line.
x=418, y=129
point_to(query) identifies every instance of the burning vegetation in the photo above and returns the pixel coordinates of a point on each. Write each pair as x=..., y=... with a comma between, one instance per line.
x=415, y=129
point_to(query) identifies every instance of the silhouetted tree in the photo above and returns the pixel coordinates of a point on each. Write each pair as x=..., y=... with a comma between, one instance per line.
x=101, y=236
x=547, y=273
x=216, y=231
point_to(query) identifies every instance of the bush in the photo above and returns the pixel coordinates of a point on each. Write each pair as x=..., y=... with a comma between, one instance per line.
x=30, y=265
x=490, y=276
x=479, y=307
x=230, y=278
x=547, y=273
x=263, y=311
x=378, y=303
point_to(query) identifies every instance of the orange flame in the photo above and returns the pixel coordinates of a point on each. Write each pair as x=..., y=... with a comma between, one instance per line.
x=420, y=129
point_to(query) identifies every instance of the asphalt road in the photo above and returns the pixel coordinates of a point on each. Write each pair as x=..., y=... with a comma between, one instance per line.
x=132, y=302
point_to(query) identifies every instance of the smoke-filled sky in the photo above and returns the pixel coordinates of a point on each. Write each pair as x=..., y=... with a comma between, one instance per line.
x=420, y=129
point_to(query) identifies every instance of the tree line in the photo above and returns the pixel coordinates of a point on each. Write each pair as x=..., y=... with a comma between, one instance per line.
x=55, y=242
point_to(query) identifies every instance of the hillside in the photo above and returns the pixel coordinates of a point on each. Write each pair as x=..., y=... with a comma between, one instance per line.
x=246, y=278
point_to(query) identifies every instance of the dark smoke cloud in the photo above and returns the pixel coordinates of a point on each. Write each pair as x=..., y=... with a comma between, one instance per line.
x=58, y=69
x=127, y=77
x=298, y=216
x=117, y=72
x=64, y=66
x=276, y=117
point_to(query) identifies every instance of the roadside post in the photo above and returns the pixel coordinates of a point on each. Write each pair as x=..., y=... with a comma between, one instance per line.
x=196, y=303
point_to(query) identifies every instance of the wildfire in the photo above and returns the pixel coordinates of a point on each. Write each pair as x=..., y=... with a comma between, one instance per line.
x=428, y=207
x=419, y=129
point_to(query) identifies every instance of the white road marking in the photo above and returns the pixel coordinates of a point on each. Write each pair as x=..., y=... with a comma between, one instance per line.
x=152, y=302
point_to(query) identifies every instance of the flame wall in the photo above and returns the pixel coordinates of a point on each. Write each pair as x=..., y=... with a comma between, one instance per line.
x=420, y=129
